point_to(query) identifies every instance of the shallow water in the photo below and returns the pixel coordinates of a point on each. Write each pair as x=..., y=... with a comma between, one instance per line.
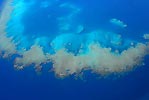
x=74, y=49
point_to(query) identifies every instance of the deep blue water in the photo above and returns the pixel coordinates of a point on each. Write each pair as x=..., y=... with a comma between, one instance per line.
x=29, y=85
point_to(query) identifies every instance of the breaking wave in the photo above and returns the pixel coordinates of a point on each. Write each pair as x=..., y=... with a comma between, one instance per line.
x=69, y=47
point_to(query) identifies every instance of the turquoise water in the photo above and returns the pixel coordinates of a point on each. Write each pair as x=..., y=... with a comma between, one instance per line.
x=74, y=50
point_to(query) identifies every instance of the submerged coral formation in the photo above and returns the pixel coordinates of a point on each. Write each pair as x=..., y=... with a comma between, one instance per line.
x=146, y=36
x=70, y=53
x=118, y=23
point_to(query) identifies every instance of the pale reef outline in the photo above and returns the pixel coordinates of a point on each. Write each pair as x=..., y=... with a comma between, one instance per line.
x=99, y=59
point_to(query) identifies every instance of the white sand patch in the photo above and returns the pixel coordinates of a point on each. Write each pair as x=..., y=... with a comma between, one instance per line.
x=6, y=44
x=98, y=59
x=118, y=22
x=5, y=15
x=146, y=36
x=34, y=55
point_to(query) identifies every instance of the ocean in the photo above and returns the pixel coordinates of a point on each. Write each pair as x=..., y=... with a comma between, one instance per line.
x=74, y=50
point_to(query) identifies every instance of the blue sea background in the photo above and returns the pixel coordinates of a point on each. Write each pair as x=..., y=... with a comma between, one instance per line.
x=30, y=85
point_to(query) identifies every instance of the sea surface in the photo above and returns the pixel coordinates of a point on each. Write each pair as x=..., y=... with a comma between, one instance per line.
x=83, y=16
